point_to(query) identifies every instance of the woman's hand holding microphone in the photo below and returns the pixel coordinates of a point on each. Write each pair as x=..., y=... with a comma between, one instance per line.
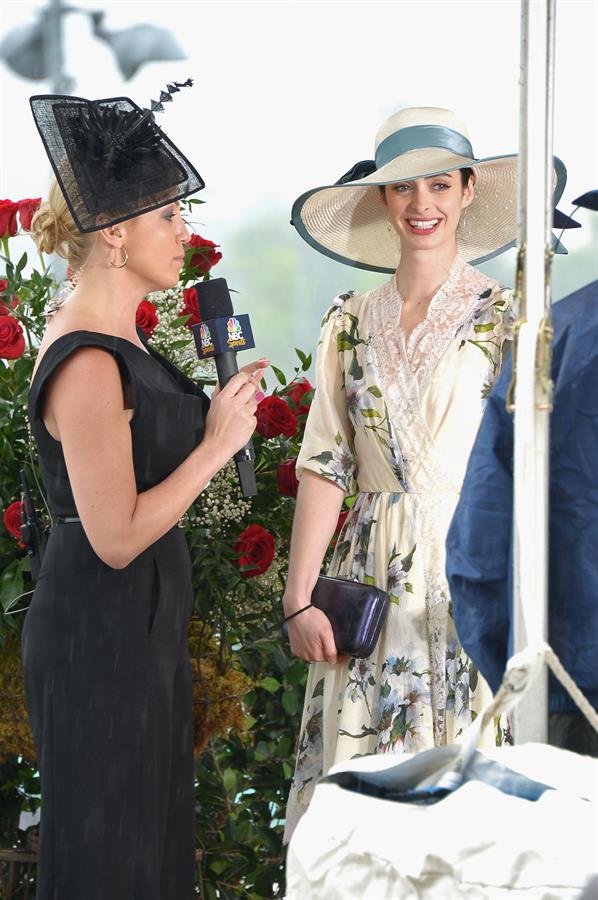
x=231, y=419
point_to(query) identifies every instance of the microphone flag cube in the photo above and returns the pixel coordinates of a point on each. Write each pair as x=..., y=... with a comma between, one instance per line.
x=223, y=335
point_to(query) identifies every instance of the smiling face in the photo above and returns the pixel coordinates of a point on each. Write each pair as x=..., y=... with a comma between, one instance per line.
x=425, y=212
x=155, y=244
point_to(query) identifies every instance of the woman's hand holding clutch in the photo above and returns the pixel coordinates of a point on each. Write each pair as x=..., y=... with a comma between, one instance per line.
x=311, y=638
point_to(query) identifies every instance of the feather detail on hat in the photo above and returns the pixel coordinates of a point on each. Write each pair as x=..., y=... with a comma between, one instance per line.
x=114, y=138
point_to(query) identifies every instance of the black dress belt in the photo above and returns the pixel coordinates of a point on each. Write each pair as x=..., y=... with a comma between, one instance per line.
x=64, y=520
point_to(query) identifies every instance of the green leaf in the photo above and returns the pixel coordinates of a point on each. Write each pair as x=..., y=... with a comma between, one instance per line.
x=370, y=414
x=375, y=391
x=270, y=684
x=229, y=780
x=21, y=263
x=11, y=581
x=218, y=866
x=296, y=672
x=489, y=326
x=290, y=702
x=280, y=375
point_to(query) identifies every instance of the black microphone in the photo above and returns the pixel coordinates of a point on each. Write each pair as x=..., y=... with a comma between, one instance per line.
x=220, y=335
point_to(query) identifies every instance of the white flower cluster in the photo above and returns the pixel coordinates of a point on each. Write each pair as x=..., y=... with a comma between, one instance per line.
x=222, y=502
x=272, y=581
x=175, y=342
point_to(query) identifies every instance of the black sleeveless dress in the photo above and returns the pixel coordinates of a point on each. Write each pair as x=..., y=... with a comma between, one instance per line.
x=106, y=664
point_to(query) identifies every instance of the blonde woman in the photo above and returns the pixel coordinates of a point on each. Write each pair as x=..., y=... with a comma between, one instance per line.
x=126, y=443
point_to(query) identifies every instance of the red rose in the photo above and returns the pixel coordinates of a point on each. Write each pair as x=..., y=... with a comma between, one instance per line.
x=146, y=317
x=296, y=391
x=12, y=340
x=26, y=210
x=254, y=548
x=14, y=300
x=286, y=478
x=8, y=218
x=13, y=520
x=274, y=417
x=191, y=307
x=207, y=255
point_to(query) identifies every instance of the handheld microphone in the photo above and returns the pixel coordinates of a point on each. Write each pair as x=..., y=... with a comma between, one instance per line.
x=221, y=335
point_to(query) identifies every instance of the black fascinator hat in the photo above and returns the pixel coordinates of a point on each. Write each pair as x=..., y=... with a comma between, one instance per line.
x=111, y=159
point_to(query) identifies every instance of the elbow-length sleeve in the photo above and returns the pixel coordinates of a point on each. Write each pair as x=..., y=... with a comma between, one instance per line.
x=328, y=445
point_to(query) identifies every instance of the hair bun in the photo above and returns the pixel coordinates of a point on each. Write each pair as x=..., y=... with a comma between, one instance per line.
x=54, y=231
x=45, y=228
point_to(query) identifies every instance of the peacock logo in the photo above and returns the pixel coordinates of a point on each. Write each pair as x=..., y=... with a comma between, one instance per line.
x=235, y=333
x=207, y=344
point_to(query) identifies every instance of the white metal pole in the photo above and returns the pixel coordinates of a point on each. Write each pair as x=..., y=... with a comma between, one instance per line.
x=533, y=389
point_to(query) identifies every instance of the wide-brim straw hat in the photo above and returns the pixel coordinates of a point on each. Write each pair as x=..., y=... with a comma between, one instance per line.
x=348, y=222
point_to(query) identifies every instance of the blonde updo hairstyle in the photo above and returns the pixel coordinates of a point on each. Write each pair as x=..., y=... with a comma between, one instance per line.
x=54, y=231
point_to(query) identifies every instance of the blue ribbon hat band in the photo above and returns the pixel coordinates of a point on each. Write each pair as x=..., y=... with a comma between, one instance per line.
x=419, y=136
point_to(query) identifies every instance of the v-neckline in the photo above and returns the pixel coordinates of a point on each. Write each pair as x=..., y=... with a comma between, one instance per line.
x=456, y=266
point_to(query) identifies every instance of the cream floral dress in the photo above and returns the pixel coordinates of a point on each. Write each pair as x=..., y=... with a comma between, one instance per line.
x=394, y=423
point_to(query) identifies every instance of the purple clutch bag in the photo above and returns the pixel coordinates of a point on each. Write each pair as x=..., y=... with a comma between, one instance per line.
x=356, y=611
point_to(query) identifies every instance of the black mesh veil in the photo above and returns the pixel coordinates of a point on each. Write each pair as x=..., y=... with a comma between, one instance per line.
x=112, y=161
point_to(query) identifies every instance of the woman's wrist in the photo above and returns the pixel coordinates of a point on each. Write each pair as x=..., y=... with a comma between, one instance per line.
x=294, y=599
x=210, y=455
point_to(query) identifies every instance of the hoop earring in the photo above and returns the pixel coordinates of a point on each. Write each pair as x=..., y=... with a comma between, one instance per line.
x=124, y=262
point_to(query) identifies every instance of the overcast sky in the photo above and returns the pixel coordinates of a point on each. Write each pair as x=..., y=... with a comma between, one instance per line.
x=290, y=94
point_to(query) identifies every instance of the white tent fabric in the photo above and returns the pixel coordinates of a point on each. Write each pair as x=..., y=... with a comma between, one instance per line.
x=478, y=843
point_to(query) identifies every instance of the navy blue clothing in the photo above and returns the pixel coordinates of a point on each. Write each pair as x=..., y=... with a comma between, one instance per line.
x=479, y=544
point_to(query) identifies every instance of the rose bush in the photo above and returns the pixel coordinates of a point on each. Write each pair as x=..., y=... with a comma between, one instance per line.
x=13, y=520
x=27, y=209
x=255, y=551
x=191, y=307
x=8, y=218
x=202, y=255
x=146, y=317
x=12, y=339
x=300, y=393
x=274, y=417
x=287, y=478
x=6, y=300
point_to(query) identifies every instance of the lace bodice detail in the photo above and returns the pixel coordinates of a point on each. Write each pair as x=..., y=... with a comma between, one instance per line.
x=453, y=304
x=405, y=368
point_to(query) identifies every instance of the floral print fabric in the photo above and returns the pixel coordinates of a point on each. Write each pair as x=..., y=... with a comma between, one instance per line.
x=394, y=422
